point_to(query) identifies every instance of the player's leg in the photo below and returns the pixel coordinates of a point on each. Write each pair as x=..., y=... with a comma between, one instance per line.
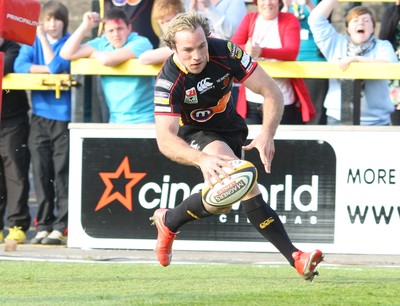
x=268, y=224
x=168, y=221
x=193, y=208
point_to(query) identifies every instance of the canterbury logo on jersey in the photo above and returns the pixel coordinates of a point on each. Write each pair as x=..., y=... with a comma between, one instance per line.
x=267, y=222
x=204, y=85
x=205, y=114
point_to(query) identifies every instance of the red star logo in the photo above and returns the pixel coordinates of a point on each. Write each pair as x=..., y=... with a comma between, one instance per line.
x=109, y=196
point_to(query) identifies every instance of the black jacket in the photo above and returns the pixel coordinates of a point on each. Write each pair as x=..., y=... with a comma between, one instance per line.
x=389, y=24
x=15, y=102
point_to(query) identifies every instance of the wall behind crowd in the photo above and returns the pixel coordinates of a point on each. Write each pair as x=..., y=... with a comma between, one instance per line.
x=78, y=7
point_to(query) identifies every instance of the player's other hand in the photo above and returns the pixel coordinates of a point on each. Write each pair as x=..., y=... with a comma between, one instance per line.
x=266, y=148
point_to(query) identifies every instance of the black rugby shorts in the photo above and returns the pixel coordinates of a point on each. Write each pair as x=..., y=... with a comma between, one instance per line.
x=200, y=138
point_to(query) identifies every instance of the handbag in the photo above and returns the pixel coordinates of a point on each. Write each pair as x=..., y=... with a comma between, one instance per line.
x=19, y=19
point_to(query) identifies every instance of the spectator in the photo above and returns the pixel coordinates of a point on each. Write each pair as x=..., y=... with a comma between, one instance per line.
x=139, y=14
x=49, y=136
x=390, y=30
x=309, y=51
x=358, y=45
x=129, y=98
x=163, y=12
x=271, y=35
x=224, y=16
x=14, y=154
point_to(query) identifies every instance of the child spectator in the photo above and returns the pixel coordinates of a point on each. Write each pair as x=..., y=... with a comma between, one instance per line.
x=14, y=154
x=49, y=137
x=139, y=14
x=163, y=12
x=129, y=98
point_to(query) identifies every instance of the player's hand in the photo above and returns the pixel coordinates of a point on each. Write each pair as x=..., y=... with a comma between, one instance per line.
x=211, y=167
x=266, y=148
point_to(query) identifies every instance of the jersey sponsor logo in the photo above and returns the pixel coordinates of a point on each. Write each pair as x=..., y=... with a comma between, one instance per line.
x=225, y=79
x=204, y=85
x=245, y=61
x=234, y=50
x=250, y=67
x=161, y=97
x=163, y=101
x=161, y=94
x=191, y=96
x=164, y=84
x=162, y=109
x=205, y=114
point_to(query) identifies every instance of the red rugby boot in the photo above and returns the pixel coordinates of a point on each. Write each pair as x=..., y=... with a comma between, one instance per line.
x=165, y=237
x=305, y=263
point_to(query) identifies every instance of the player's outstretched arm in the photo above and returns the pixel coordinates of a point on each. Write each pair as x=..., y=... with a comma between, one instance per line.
x=260, y=82
x=176, y=149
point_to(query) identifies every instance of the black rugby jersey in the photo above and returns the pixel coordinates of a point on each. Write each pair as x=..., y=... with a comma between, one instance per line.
x=204, y=100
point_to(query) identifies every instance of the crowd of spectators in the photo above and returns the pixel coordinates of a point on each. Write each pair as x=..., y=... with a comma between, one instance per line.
x=273, y=30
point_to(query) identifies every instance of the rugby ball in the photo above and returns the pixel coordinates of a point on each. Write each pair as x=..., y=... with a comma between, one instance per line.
x=232, y=189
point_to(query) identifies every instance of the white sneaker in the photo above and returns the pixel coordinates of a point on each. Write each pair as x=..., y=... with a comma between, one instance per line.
x=55, y=238
x=39, y=237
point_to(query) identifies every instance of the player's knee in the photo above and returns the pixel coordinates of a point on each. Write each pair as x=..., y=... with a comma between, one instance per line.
x=252, y=192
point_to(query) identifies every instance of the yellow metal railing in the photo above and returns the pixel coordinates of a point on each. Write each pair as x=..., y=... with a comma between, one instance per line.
x=32, y=81
x=323, y=70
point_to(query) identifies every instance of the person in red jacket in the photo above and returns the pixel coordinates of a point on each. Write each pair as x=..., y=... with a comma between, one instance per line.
x=271, y=35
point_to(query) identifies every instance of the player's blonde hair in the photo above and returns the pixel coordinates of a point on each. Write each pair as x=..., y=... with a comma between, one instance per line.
x=189, y=21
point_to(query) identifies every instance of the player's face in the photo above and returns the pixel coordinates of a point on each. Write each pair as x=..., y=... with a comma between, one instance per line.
x=116, y=32
x=192, y=49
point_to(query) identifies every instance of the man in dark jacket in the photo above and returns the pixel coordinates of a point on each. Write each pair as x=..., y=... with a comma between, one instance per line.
x=14, y=154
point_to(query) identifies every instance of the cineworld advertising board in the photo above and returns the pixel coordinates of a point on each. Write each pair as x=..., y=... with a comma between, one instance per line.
x=320, y=187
